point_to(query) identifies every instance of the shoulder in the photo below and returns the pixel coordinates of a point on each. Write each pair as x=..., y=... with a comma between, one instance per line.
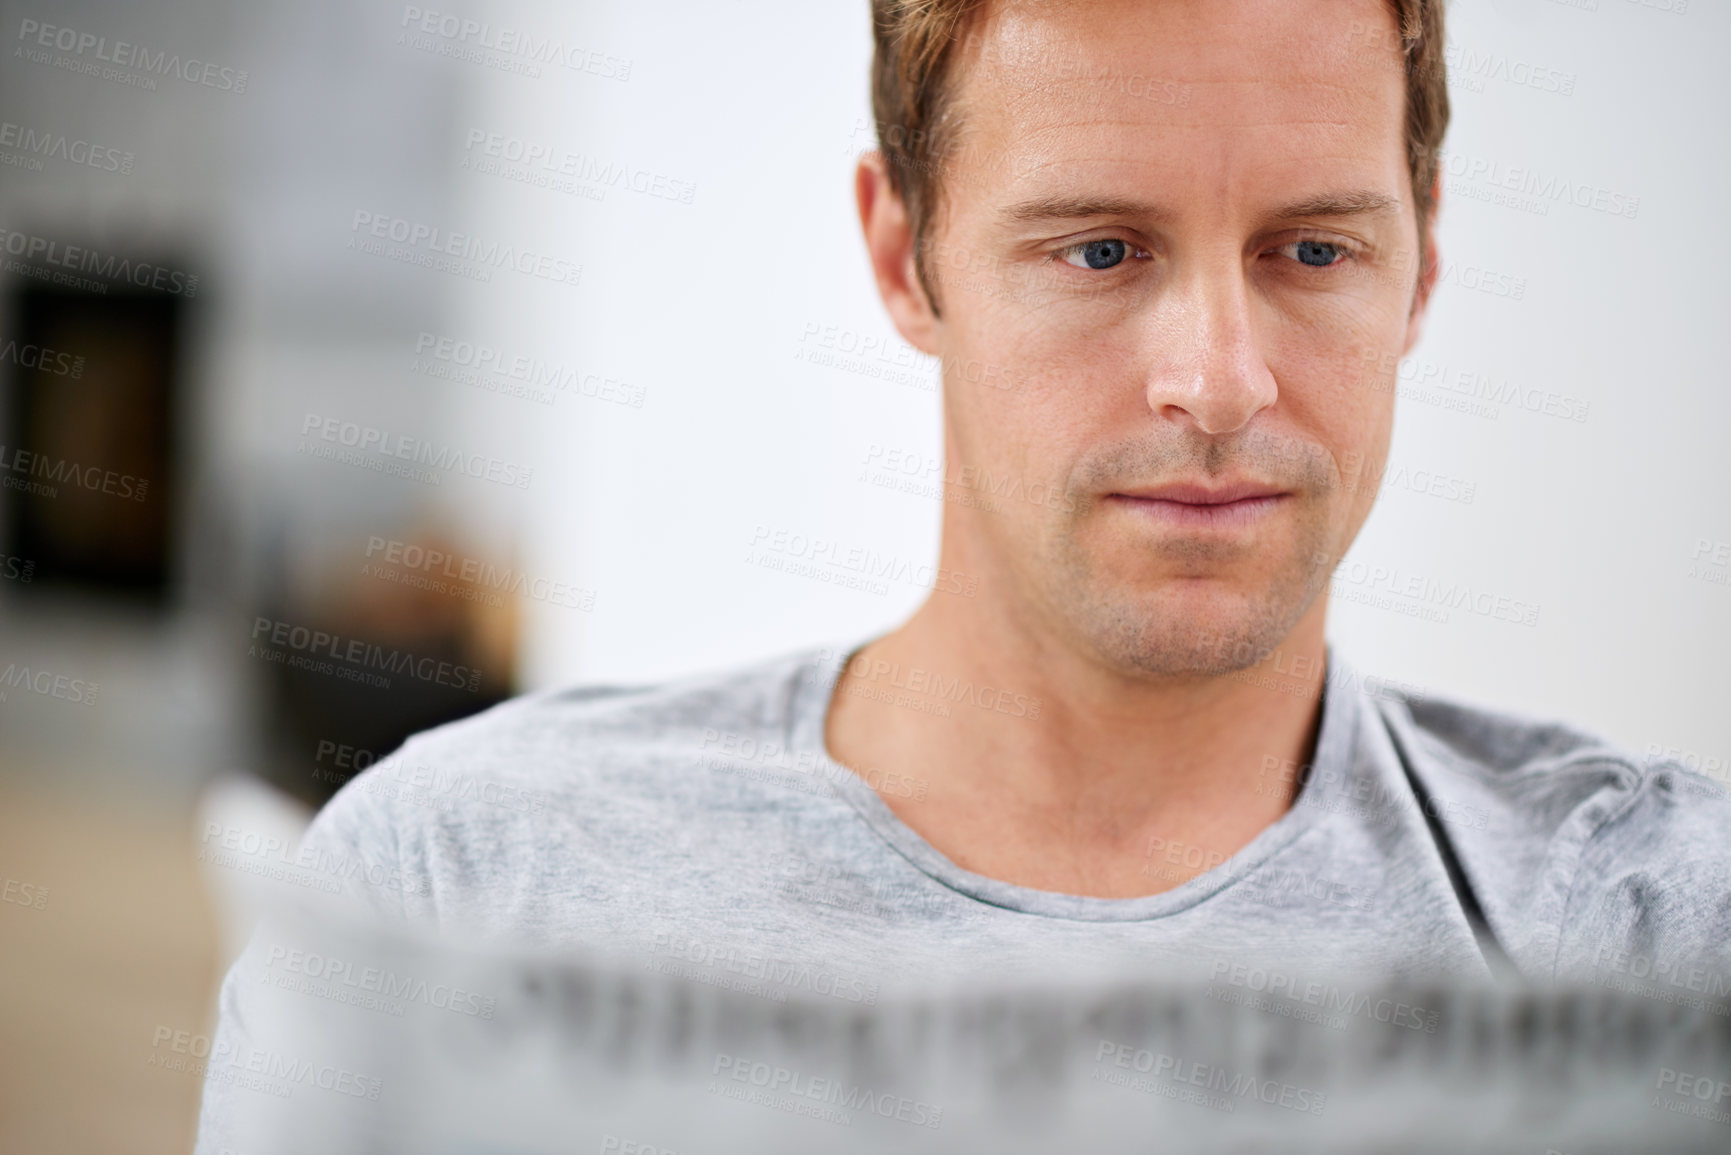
x=1580, y=838
x=1532, y=774
x=580, y=768
x=532, y=738
x=1542, y=774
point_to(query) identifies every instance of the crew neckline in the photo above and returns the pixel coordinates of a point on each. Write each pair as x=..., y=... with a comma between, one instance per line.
x=1336, y=746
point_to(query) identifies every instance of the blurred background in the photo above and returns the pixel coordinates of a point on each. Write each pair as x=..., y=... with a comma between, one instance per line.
x=364, y=364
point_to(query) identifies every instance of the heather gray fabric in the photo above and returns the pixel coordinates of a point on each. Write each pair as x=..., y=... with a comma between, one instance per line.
x=700, y=828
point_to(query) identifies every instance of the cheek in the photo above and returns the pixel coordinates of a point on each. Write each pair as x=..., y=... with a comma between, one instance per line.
x=1020, y=395
x=1337, y=383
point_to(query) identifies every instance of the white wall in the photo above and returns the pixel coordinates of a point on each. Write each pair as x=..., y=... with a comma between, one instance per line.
x=704, y=306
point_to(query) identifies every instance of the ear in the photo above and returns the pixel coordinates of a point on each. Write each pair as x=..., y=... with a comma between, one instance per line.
x=1427, y=276
x=890, y=244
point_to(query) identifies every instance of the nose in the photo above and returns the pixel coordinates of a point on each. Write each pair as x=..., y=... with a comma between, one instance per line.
x=1209, y=368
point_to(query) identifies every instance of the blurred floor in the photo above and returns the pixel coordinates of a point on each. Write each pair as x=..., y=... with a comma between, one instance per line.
x=126, y=942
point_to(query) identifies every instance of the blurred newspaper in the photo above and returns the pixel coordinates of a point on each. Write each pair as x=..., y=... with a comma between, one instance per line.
x=363, y=1040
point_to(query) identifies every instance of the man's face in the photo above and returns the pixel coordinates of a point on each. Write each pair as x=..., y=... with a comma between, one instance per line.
x=1182, y=233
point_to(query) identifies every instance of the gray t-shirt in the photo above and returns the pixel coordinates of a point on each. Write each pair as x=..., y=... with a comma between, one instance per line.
x=701, y=828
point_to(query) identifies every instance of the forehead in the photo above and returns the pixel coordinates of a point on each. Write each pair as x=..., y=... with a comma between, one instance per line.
x=1211, y=93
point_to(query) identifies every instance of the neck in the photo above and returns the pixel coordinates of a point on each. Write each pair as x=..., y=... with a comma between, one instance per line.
x=1043, y=767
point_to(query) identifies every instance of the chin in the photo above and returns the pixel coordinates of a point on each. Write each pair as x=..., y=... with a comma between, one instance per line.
x=1188, y=628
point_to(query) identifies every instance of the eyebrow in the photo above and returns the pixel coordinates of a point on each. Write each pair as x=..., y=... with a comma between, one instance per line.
x=1347, y=204
x=1053, y=208
x=1063, y=208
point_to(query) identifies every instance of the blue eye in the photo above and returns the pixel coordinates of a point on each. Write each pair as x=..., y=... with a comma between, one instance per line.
x=1317, y=254
x=1102, y=254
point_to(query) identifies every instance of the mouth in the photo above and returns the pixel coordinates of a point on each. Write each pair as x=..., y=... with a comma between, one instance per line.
x=1197, y=506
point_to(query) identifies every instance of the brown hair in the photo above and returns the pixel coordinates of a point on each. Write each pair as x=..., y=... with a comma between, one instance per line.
x=915, y=41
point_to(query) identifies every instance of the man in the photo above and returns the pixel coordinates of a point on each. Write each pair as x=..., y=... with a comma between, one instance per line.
x=1189, y=240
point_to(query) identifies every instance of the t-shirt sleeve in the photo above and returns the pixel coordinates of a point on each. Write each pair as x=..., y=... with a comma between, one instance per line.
x=1650, y=909
x=349, y=863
